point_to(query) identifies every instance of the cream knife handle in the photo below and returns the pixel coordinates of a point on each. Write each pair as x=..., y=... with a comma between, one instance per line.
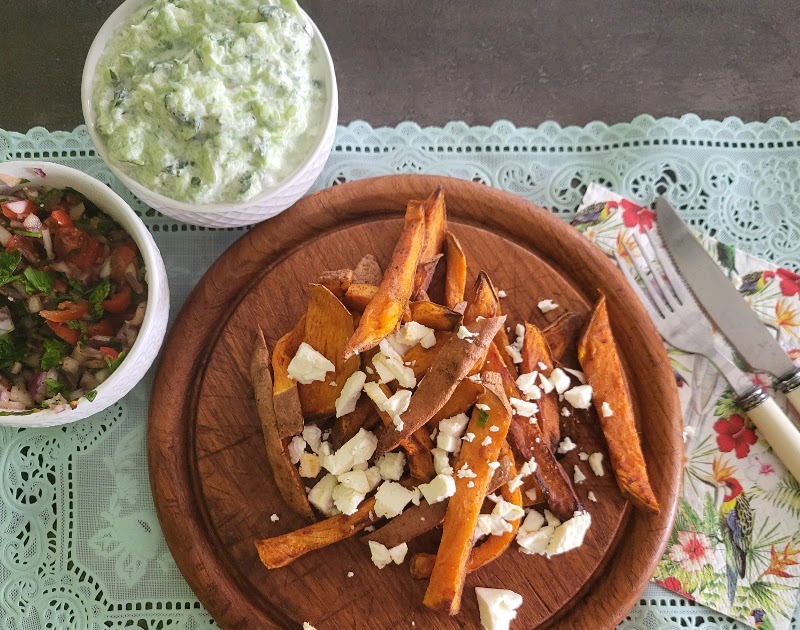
x=778, y=430
x=794, y=398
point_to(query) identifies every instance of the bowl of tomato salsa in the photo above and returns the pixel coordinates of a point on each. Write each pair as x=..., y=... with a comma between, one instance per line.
x=84, y=300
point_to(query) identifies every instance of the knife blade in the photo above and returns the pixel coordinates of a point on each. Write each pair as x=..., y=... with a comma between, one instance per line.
x=723, y=303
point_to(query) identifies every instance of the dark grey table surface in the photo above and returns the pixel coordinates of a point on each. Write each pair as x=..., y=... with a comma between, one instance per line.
x=475, y=60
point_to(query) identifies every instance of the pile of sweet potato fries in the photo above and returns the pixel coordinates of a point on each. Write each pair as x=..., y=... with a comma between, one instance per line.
x=461, y=361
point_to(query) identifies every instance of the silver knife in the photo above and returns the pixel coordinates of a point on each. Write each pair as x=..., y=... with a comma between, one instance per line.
x=724, y=304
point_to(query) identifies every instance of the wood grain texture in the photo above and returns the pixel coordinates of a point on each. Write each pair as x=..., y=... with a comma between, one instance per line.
x=211, y=480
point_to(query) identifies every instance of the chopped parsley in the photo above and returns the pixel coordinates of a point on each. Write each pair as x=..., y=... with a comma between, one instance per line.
x=54, y=352
x=96, y=297
x=483, y=418
x=36, y=281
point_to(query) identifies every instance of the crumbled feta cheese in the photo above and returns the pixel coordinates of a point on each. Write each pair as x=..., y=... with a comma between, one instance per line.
x=494, y=428
x=577, y=374
x=541, y=366
x=475, y=378
x=274, y=518
x=398, y=402
x=606, y=410
x=493, y=465
x=351, y=392
x=596, y=462
x=483, y=407
x=468, y=437
x=551, y=519
x=498, y=607
x=592, y=496
x=321, y=495
x=391, y=499
x=528, y=468
x=583, y=456
x=333, y=384
x=688, y=433
x=508, y=511
x=580, y=396
x=380, y=554
x=465, y=472
x=528, y=387
x=416, y=496
x=566, y=445
x=578, y=477
x=565, y=412
x=308, y=626
x=373, y=477
x=547, y=386
x=438, y=489
x=357, y=450
x=296, y=448
x=547, y=305
x=346, y=499
x=464, y=333
x=389, y=366
x=413, y=333
x=392, y=465
x=308, y=365
x=514, y=353
x=450, y=432
x=398, y=553
x=570, y=534
x=309, y=465
x=369, y=370
x=560, y=380
x=441, y=462
x=361, y=466
x=312, y=435
x=523, y=407
x=470, y=484
x=355, y=480
x=535, y=542
x=375, y=393
x=487, y=440
x=350, y=574
x=531, y=494
x=502, y=294
x=533, y=522
x=493, y=525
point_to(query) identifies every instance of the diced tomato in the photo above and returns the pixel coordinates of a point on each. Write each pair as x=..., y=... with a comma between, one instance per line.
x=70, y=335
x=18, y=209
x=103, y=328
x=25, y=245
x=122, y=256
x=118, y=302
x=59, y=286
x=76, y=247
x=61, y=217
x=109, y=352
x=66, y=311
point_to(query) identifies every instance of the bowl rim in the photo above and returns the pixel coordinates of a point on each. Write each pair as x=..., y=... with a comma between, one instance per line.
x=157, y=283
x=103, y=36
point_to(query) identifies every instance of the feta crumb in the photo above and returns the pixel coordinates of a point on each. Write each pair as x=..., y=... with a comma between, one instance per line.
x=308, y=365
x=529, y=467
x=494, y=428
x=321, y=495
x=551, y=519
x=547, y=305
x=493, y=465
x=596, y=462
x=441, y=462
x=450, y=432
x=369, y=370
x=528, y=387
x=580, y=396
x=577, y=374
x=541, y=365
x=398, y=553
x=565, y=412
x=351, y=392
x=560, y=380
x=501, y=293
x=309, y=465
x=312, y=435
x=606, y=410
x=533, y=522
x=274, y=518
x=514, y=353
x=346, y=499
x=487, y=440
x=357, y=450
x=566, y=445
x=308, y=626
x=508, y=511
x=389, y=366
x=547, y=386
x=468, y=437
x=531, y=494
x=380, y=554
x=398, y=402
x=569, y=535
x=470, y=484
x=438, y=489
x=464, y=333
x=350, y=574
x=374, y=478
x=391, y=499
x=355, y=480
x=392, y=465
x=475, y=378
x=498, y=607
x=688, y=433
x=413, y=333
x=583, y=456
x=483, y=407
x=523, y=407
x=578, y=477
x=333, y=384
x=592, y=496
x=466, y=472
x=296, y=448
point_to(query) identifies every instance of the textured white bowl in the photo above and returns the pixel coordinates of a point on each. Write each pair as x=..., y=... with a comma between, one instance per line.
x=151, y=335
x=260, y=207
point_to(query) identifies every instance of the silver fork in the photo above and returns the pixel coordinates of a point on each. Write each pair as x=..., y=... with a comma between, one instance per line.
x=683, y=324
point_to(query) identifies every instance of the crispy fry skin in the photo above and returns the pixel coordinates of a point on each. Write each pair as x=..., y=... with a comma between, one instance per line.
x=328, y=327
x=337, y=282
x=435, y=316
x=455, y=281
x=534, y=351
x=600, y=360
x=529, y=442
x=425, y=271
x=419, y=519
x=449, y=367
x=384, y=311
x=367, y=271
x=462, y=398
x=421, y=358
x=348, y=425
x=502, y=341
x=286, y=399
x=490, y=549
x=287, y=479
x=482, y=300
x=435, y=230
x=358, y=296
x=279, y=551
x=450, y=569
x=561, y=333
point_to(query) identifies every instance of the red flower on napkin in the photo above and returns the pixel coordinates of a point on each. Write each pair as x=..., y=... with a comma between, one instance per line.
x=789, y=281
x=733, y=436
x=674, y=584
x=633, y=215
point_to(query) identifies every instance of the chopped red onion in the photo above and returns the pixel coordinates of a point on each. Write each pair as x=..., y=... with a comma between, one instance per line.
x=39, y=172
x=5, y=236
x=130, y=276
x=48, y=244
x=32, y=223
x=76, y=211
x=6, y=323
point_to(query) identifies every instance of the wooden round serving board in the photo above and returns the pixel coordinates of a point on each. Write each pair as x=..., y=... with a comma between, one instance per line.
x=211, y=480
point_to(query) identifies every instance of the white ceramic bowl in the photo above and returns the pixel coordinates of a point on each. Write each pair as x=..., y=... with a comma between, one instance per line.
x=151, y=334
x=260, y=207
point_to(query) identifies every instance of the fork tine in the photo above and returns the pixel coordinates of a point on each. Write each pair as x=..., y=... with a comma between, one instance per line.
x=650, y=306
x=667, y=294
x=649, y=286
x=675, y=280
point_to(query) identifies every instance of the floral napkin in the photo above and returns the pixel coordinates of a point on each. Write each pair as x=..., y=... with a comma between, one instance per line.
x=735, y=546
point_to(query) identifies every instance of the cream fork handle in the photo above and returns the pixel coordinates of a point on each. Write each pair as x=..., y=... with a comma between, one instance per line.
x=778, y=430
x=794, y=398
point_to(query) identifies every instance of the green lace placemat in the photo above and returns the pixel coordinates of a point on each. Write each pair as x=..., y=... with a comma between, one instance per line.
x=80, y=545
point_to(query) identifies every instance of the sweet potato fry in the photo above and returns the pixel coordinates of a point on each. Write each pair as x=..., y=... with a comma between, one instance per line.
x=425, y=271
x=529, y=442
x=384, y=311
x=502, y=341
x=561, y=333
x=455, y=281
x=450, y=569
x=452, y=363
x=600, y=360
x=482, y=300
x=367, y=271
x=279, y=551
x=358, y=296
x=287, y=478
x=337, y=282
x=435, y=230
x=421, y=564
x=328, y=327
x=286, y=399
x=348, y=425
x=435, y=316
x=462, y=398
x=535, y=351
x=419, y=519
x=421, y=358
